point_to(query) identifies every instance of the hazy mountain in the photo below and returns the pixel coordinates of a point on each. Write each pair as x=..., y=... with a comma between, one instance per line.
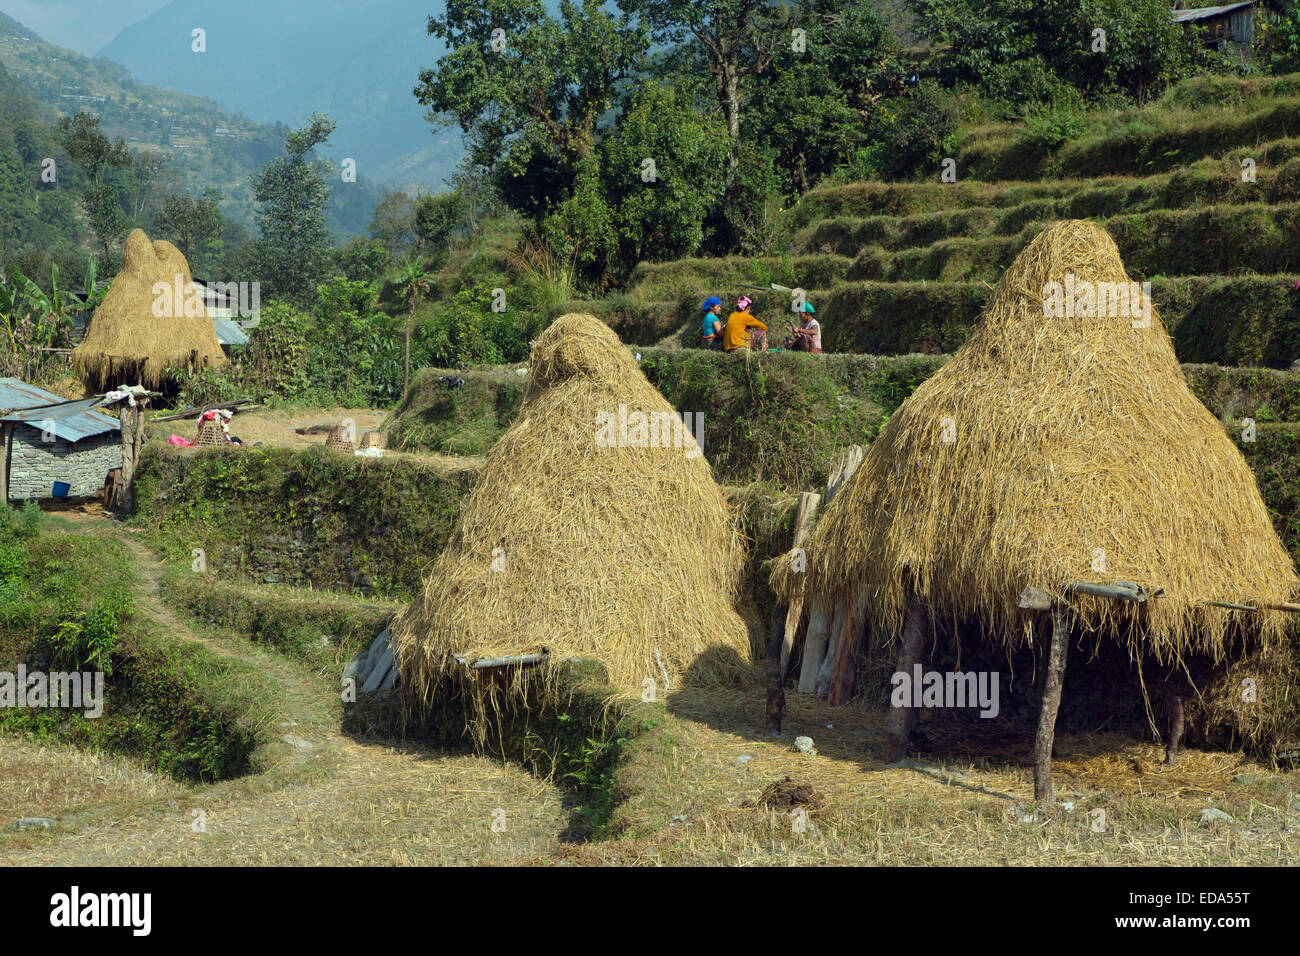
x=205, y=145
x=81, y=25
x=279, y=60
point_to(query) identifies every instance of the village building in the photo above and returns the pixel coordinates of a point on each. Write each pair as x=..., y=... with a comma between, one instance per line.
x=54, y=448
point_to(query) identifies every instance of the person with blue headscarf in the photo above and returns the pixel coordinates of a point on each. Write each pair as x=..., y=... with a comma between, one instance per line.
x=711, y=332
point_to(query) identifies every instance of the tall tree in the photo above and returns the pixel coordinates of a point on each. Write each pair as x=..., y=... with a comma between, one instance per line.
x=292, y=257
x=101, y=158
x=189, y=220
x=736, y=38
x=527, y=88
x=415, y=284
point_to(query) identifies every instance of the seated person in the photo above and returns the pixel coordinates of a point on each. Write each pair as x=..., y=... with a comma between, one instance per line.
x=737, y=334
x=807, y=336
x=711, y=333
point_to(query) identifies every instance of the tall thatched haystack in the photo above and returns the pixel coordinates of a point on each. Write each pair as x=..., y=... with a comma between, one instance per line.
x=126, y=342
x=622, y=554
x=1054, y=449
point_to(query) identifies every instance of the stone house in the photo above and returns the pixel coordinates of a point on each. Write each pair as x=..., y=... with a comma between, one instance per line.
x=54, y=443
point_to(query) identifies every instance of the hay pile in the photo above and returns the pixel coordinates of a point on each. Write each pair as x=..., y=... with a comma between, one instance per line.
x=622, y=554
x=126, y=342
x=1072, y=437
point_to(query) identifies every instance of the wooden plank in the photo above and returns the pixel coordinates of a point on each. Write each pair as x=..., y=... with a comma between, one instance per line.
x=1050, y=701
x=814, y=644
x=808, y=502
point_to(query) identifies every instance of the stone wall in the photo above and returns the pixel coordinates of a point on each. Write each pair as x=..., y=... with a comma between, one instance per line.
x=35, y=465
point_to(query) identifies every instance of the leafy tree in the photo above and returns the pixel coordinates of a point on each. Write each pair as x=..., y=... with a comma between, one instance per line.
x=528, y=100
x=812, y=108
x=101, y=158
x=1144, y=50
x=660, y=211
x=362, y=260
x=292, y=191
x=735, y=39
x=393, y=222
x=191, y=221
x=436, y=218
x=415, y=284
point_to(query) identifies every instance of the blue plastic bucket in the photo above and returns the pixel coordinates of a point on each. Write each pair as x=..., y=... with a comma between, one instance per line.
x=61, y=489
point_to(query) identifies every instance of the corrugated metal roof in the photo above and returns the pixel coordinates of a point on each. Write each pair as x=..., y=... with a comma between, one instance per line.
x=1202, y=13
x=228, y=333
x=70, y=421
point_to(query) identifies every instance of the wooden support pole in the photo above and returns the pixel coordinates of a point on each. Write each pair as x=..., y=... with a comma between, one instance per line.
x=823, y=686
x=1175, y=728
x=900, y=721
x=808, y=502
x=814, y=644
x=841, y=683
x=124, y=497
x=1053, y=676
x=775, y=682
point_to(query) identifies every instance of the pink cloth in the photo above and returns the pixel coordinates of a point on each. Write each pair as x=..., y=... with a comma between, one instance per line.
x=178, y=440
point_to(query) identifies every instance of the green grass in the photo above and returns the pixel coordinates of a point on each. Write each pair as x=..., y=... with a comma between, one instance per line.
x=312, y=517
x=67, y=603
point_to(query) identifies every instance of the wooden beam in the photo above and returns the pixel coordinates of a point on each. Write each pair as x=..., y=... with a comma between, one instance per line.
x=808, y=502
x=195, y=410
x=1050, y=702
x=1135, y=594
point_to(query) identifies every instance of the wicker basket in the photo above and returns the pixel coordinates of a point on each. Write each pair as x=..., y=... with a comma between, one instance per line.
x=211, y=433
x=371, y=440
x=338, y=439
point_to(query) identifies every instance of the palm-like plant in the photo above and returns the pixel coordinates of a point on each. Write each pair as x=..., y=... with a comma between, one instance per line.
x=415, y=284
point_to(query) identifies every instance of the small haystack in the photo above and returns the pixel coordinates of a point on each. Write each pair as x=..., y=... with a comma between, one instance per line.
x=129, y=340
x=579, y=546
x=1055, y=449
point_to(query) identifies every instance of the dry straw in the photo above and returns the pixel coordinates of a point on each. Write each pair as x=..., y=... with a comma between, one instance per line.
x=623, y=554
x=1073, y=440
x=126, y=342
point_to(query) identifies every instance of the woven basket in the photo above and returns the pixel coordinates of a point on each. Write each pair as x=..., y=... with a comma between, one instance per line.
x=211, y=433
x=371, y=440
x=338, y=439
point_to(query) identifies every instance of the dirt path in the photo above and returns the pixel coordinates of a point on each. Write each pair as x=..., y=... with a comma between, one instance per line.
x=328, y=799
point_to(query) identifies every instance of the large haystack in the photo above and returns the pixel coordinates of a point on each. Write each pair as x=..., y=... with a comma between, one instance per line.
x=623, y=554
x=127, y=341
x=1050, y=450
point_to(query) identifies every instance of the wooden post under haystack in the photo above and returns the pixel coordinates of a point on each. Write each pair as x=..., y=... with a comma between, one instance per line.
x=901, y=722
x=1050, y=687
x=808, y=502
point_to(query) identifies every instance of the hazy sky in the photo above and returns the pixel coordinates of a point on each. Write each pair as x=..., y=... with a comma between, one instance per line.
x=81, y=25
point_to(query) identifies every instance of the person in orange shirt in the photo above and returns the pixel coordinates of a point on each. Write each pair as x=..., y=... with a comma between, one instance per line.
x=737, y=334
